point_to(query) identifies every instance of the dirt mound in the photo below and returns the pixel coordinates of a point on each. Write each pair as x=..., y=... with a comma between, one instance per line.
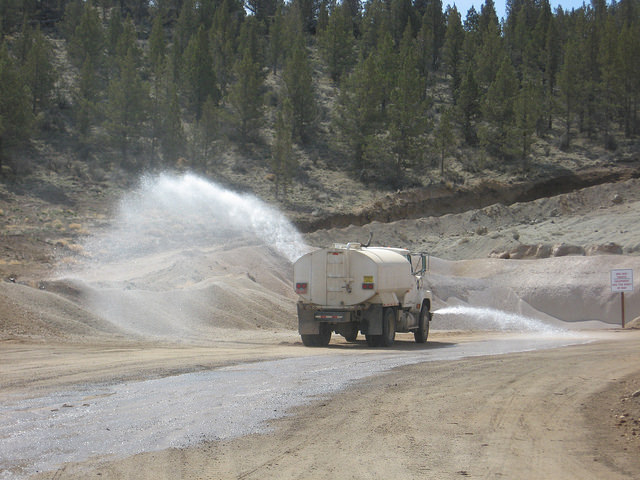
x=177, y=296
x=574, y=223
x=569, y=289
x=443, y=199
x=36, y=314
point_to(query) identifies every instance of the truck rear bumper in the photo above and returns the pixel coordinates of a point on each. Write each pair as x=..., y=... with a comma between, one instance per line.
x=310, y=317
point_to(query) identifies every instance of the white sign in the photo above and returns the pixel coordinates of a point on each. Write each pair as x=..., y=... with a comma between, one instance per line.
x=622, y=280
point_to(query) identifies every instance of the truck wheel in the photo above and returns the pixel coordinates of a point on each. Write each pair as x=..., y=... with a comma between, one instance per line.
x=422, y=332
x=351, y=333
x=388, y=327
x=320, y=340
x=372, y=340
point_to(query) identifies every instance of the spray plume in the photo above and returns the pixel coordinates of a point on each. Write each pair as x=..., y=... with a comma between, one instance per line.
x=184, y=255
x=485, y=318
x=169, y=211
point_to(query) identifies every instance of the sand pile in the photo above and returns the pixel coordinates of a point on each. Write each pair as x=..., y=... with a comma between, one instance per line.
x=190, y=295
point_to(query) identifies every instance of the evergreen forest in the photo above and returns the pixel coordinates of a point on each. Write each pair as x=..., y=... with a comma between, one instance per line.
x=379, y=88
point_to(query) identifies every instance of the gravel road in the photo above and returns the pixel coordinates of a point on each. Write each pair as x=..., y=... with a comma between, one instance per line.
x=130, y=417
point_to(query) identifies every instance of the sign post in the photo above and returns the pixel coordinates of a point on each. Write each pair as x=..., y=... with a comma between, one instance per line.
x=622, y=281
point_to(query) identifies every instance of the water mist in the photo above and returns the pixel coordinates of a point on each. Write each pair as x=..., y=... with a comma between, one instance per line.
x=182, y=256
x=484, y=318
x=169, y=211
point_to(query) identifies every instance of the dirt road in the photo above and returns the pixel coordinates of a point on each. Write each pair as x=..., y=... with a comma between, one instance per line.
x=560, y=413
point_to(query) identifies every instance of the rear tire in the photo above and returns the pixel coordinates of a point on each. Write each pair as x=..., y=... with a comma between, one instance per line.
x=388, y=327
x=351, y=333
x=422, y=332
x=373, y=340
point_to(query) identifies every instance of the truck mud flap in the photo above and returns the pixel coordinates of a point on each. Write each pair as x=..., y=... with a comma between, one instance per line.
x=372, y=320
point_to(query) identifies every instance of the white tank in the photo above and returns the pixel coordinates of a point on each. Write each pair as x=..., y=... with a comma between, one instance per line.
x=351, y=274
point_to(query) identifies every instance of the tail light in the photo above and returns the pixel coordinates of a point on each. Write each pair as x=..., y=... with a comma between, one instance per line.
x=301, y=288
x=367, y=286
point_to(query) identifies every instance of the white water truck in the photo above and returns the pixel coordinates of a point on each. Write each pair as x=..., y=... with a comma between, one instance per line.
x=356, y=288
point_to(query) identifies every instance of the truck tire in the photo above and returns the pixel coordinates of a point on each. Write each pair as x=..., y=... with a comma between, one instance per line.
x=388, y=327
x=350, y=333
x=388, y=330
x=320, y=340
x=422, y=332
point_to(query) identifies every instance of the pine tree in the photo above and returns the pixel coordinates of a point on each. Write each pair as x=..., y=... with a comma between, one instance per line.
x=299, y=90
x=527, y=113
x=126, y=108
x=283, y=161
x=157, y=44
x=208, y=130
x=337, y=43
x=376, y=23
x=115, y=29
x=127, y=42
x=489, y=55
x=469, y=106
x=308, y=12
x=198, y=78
x=246, y=96
x=454, y=40
x=498, y=110
x=386, y=67
x=407, y=111
x=401, y=15
x=38, y=72
x=223, y=38
x=251, y=40
x=435, y=19
x=444, y=137
x=609, y=78
x=262, y=9
x=424, y=48
x=277, y=40
x=570, y=81
x=358, y=116
x=86, y=109
x=172, y=139
x=550, y=65
x=72, y=14
x=185, y=27
x=628, y=66
x=87, y=39
x=15, y=111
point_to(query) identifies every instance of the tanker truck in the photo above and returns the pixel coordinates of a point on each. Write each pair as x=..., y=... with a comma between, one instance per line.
x=351, y=288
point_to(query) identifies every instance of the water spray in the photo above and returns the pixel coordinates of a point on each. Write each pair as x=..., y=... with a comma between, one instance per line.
x=484, y=318
x=169, y=211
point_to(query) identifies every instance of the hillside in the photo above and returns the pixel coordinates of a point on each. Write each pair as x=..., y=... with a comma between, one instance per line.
x=412, y=150
x=323, y=108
